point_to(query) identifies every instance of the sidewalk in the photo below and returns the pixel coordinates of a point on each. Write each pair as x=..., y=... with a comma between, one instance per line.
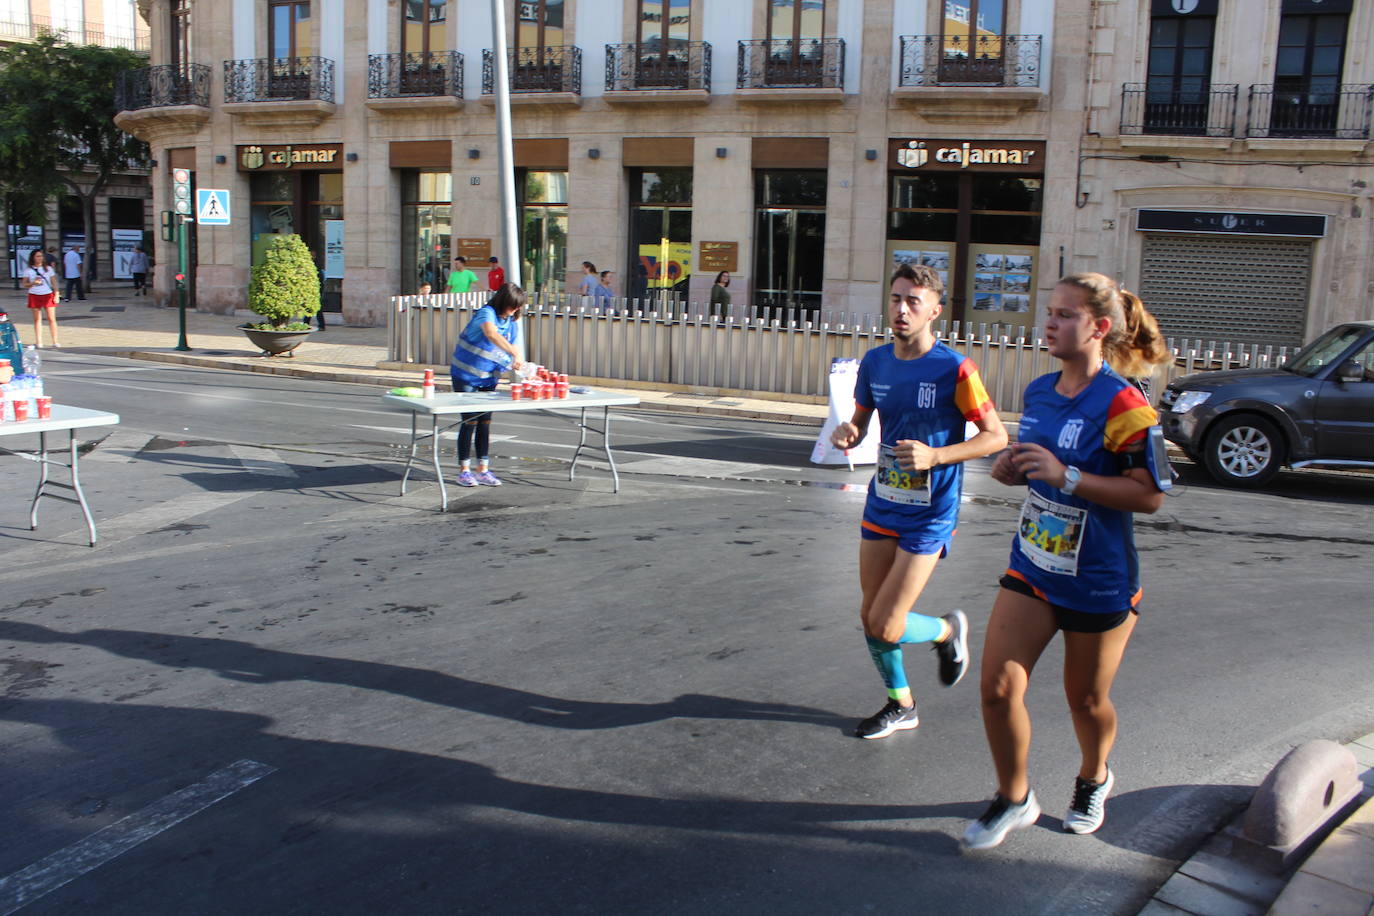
x=113, y=322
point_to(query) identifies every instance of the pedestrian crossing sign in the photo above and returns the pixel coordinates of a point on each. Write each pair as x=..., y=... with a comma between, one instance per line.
x=212, y=206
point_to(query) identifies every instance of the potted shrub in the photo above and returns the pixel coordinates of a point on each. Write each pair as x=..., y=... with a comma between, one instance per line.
x=285, y=287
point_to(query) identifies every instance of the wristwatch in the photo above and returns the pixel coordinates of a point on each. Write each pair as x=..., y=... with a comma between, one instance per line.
x=1072, y=477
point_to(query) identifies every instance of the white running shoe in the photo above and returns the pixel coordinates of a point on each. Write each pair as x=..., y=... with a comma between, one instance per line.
x=1088, y=809
x=1001, y=818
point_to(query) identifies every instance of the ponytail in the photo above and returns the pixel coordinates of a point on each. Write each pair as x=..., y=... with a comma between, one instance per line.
x=1134, y=345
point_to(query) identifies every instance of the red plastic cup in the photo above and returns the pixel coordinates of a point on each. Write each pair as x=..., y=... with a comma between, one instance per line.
x=21, y=410
x=563, y=377
x=516, y=391
x=562, y=389
x=530, y=391
x=44, y=405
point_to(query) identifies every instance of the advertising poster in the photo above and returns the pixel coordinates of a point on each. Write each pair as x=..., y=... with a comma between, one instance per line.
x=333, y=249
x=24, y=239
x=122, y=244
x=666, y=264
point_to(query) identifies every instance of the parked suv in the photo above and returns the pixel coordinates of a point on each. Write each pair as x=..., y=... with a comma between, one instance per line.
x=1317, y=409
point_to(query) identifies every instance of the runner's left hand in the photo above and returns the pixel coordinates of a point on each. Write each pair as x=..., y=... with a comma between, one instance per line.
x=1038, y=463
x=914, y=455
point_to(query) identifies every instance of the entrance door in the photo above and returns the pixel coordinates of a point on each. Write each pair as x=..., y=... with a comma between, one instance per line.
x=790, y=250
x=543, y=200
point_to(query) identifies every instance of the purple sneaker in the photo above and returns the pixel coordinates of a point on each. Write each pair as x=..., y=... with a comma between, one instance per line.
x=488, y=479
x=466, y=479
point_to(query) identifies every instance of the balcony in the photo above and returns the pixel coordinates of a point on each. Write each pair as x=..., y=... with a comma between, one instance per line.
x=162, y=87
x=551, y=74
x=286, y=92
x=791, y=70
x=1165, y=110
x=1007, y=61
x=1310, y=109
x=678, y=72
x=137, y=40
x=415, y=81
x=158, y=103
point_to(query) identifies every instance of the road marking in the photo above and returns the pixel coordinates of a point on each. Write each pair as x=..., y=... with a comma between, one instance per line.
x=66, y=865
x=262, y=461
x=120, y=446
x=68, y=373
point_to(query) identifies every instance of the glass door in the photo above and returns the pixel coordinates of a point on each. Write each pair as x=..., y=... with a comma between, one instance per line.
x=795, y=29
x=424, y=39
x=1307, y=78
x=543, y=200
x=971, y=41
x=789, y=242
x=290, y=41
x=664, y=31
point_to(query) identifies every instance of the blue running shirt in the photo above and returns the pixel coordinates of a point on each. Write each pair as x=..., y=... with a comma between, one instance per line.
x=929, y=399
x=1074, y=552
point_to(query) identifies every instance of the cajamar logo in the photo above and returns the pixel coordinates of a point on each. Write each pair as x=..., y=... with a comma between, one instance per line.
x=252, y=157
x=914, y=156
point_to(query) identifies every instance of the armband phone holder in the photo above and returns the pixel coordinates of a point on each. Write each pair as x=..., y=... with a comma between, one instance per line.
x=1157, y=459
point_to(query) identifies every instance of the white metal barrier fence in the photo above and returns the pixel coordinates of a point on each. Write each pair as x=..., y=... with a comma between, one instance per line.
x=694, y=349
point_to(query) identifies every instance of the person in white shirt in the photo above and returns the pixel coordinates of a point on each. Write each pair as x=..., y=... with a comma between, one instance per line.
x=72, y=263
x=41, y=282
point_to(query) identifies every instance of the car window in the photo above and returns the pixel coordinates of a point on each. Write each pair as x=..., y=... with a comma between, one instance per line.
x=1365, y=358
x=1321, y=352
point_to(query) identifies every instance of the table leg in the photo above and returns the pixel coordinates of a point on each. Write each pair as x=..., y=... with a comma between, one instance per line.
x=438, y=468
x=606, y=445
x=581, y=443
x=42, y=459
x=410, y=459
x=76, y=486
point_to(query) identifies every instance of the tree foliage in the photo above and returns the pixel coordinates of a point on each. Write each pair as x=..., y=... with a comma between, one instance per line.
x=57, y=130
x=286, y=283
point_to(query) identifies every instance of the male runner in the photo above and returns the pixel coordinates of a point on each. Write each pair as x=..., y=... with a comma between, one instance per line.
x=923, y=392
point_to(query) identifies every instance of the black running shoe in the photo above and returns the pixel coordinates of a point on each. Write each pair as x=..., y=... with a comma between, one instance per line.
x=953, y=651
x=891, y=718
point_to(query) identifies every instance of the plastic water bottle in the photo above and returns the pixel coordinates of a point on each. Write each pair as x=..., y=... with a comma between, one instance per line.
x=33, y=363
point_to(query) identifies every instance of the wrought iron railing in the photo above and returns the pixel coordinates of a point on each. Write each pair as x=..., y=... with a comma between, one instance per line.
x=278, y=79
x=161, y=86
x=785, y=63
x=138, y=40
x=952, y=60
x=654, y=65
x=548, y=68
x=399, y=76
x=1311, y=108
x=1204, y=111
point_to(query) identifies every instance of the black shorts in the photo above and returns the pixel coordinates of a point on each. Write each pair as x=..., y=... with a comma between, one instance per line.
x=1066, y=618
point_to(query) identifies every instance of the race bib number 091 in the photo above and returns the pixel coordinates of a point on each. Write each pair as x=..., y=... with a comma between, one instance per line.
x=892, y=483
x=1051, y=534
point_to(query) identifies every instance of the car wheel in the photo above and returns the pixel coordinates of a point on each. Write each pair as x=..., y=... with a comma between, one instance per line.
x=1243, y=451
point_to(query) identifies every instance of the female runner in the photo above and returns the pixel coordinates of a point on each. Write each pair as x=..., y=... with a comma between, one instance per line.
x=1082, y=451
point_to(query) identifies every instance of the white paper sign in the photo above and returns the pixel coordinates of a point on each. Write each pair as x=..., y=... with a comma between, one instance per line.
x=843, y=374
x=333, y=249
x=122, y=243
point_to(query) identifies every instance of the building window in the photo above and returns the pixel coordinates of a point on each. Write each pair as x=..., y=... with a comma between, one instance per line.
x=426, y=229
x=288, y=29
x=1307, y=75
x=179, y=21
x=424, y=25
x=789, y=241
x=663, y=42
x=1179, y=74
x=539, y=24
x=69, y=17
x=971, y=38
x=796, y=55
x=660, y=233
x=543, y=201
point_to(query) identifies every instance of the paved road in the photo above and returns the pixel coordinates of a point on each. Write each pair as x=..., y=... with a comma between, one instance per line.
x=554, y=698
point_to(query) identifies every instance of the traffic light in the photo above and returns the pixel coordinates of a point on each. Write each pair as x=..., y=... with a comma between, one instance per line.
x=169, y=227
x=181, y=191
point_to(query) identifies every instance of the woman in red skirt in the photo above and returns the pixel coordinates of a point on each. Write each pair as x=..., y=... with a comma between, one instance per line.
x=41, y=283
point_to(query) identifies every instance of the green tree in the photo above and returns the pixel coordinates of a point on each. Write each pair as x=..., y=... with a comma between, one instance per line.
x=57, y=131
x=285, y=284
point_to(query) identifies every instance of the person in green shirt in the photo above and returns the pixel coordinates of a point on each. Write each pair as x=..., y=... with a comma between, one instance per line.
x=461, y=279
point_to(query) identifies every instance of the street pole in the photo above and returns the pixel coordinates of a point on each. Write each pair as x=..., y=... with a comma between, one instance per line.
x=182, y=258
x=505, y=148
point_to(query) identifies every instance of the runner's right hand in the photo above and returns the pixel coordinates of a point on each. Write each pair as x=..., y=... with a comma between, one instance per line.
x=1004, y=470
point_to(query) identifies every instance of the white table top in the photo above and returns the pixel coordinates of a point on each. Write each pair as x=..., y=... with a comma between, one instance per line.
x=500, y=400
x=63, y=417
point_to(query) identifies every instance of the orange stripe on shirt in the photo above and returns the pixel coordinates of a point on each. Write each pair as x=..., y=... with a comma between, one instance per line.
x=1128, y=417
x=969, y=394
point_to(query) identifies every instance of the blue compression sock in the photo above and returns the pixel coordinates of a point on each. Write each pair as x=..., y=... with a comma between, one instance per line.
x=887, y=656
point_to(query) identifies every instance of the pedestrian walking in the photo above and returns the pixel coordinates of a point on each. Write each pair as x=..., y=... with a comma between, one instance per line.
x=1084, y=455
x=486, y=347
x=587, y=285
x=50, y=258
x=720, y=295
x=925, y=393
x=138, y=267
x=72, y=263
x=41, y=282
x=604, y=292
x=461, y=280
x=496, y=274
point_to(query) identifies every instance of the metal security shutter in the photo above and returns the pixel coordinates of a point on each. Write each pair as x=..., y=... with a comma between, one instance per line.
x=1241, y=289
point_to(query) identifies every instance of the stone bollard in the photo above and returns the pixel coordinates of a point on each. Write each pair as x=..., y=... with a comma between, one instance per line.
x=1303, y=795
